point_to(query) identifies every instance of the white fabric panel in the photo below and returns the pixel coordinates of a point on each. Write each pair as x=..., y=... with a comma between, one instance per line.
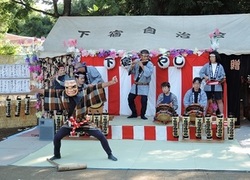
x=139, y=132
x=196, y=70
x=160, y=133
x=175, y=80
x=125, y=86
x=132, y=36
x=116, y=132
x=103, y=71
x=152, y=95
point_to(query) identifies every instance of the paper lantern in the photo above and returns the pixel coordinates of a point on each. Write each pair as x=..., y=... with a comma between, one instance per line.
x=163, y=62
x=126, y=61
x=179, y=61
x=109, y=62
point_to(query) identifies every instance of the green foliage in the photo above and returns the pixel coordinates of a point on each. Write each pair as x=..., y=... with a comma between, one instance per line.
x=34, y=25
x=187, y=7
x=5, y=16
x=7, y=48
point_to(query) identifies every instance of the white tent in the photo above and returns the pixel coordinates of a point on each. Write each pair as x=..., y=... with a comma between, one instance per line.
x=133, y=33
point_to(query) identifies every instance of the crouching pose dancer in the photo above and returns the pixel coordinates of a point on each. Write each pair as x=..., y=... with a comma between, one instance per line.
x=75, y=103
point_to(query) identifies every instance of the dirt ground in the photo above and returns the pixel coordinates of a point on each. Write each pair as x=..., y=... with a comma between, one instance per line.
x=6, y=132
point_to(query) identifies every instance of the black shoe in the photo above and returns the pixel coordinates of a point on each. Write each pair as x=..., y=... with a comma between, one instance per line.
x=132, y=116
x=111, y=157
x=54, y=158
x=144, y=117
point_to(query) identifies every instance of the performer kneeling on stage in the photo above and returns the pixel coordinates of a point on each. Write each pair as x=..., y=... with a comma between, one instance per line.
x=75, y=103
x=195, y=95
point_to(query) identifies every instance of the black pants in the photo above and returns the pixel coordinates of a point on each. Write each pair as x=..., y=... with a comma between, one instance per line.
x=64, y=131
x=131, y=103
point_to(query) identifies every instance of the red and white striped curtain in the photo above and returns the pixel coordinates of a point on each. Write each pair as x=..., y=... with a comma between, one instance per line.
x=180, y=80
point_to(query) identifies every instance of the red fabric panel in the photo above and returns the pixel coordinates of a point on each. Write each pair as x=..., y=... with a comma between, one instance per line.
x=192, y=132
x=127, y=132
x=109, y=135
x=225, y=99
x=92, y=61
x=170, y=136
x=149, y=133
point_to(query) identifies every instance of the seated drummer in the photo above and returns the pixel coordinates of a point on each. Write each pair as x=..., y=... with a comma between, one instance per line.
x=195, y=95
x=166, y=97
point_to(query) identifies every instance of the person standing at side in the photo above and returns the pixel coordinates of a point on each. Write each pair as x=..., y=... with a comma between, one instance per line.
x=214, y=75
x=92, y=75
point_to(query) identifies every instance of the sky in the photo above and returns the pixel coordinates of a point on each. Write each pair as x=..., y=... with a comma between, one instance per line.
x=44, y=6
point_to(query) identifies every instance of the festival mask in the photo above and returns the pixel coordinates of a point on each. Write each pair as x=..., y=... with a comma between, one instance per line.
x=71, y=88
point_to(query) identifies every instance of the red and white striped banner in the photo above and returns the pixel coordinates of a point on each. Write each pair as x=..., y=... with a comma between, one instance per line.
x=158, y=133
x=180, y=80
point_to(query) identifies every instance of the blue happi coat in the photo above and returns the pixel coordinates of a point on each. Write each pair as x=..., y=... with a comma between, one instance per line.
x=219, y=75
x=189, y=98
x=93, y=75
x=144, y=78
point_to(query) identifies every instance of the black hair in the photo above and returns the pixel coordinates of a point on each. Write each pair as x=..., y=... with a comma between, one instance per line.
x=77, y=74
x=60, y=65
x=67, y=78
x=217, y=55
x=165, y=84
x=197, y=79
x=144, y=51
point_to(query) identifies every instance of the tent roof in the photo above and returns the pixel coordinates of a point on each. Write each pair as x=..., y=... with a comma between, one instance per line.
x=25, y=40
x=133, y=33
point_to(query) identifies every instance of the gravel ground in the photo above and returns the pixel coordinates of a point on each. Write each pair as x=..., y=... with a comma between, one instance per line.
x=6, y=132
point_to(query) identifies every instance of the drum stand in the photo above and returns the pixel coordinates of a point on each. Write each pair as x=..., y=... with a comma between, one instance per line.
x=105, y=123
x=208, y=127
x=186, y=123
x=230, y=127
x=219, y=126
x=97, y=119
x=27, y=105
x=198, y=126
x=18, y=106
x=175, y=123
x=58, y=120
x=8, y=107
x=90, y=117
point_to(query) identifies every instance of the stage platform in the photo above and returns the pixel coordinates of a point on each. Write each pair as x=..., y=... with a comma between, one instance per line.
x=25, y=149
x=137, y=129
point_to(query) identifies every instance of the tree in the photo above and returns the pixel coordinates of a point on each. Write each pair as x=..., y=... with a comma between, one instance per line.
x=139, y=7
x=33, y=25
x=187, y=7
x=19, y=14
x=5, y=16
x=29, y=6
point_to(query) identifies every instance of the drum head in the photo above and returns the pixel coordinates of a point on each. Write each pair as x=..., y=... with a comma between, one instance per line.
x=165, y=109
x=96, y=106
x=194, y=109
x=163, y=117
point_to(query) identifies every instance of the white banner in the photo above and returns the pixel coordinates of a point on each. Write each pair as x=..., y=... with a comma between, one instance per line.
x=151, y=32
